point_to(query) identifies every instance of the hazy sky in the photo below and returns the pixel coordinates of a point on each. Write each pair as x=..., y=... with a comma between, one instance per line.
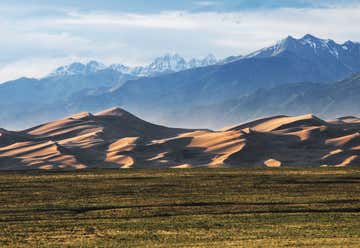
x=39, y=35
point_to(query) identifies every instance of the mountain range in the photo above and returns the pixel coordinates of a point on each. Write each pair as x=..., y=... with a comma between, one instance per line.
x=308, y=59
x=294, y=76
x=165, y=64
x=329, y=101
x=115, y=138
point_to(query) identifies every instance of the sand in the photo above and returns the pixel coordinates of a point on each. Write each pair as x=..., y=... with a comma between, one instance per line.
x=115, y=138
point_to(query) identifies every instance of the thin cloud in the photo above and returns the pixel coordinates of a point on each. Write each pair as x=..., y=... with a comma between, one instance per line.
x=164, y=20
x=207, y=3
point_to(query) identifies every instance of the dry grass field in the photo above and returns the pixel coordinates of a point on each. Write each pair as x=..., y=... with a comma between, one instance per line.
x=181, y=208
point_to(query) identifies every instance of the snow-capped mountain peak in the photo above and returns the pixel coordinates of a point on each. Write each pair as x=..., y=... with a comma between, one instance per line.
x=308, y=47
x=164, y=64
x=208, y=60
x=94, y=66
x=121, y=68
x=168, y=62
x=78, y=69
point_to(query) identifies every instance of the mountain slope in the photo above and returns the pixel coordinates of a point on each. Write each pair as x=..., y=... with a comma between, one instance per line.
x=308, y=59
x=31, y=101
x=115, y=138
x=328, y=101
x=325, y=100
x=51, y=89
x=312, y=47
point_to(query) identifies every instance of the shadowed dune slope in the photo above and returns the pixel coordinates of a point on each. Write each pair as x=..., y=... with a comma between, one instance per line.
x=115, y=138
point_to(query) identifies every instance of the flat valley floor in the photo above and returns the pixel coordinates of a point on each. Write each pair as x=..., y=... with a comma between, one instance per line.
x=181, y=208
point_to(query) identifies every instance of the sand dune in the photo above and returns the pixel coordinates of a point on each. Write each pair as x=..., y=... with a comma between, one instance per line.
x=347, y=119
x=282, y=122
x=115, y=138
x=272, y=163
x=347, y=140
x=37, y=155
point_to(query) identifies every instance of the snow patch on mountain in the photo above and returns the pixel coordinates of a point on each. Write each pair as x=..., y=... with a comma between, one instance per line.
x=164, y=64
x=167, y=64
x=78, y=69
x=308, y=46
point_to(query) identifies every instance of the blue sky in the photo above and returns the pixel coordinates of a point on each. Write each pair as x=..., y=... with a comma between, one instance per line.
x=147, y=6
x=39, y=35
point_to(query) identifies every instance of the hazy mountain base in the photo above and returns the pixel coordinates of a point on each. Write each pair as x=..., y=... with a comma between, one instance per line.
x=327, y=101
x=181, y=208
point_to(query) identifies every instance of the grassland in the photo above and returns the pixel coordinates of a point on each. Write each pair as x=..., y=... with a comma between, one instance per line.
x=181, y=208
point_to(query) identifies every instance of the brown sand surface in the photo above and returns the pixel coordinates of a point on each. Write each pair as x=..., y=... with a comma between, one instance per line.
x=115, y=138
